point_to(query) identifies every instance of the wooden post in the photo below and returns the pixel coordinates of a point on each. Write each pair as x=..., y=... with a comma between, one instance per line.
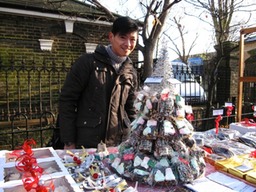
x=241, y=73
x=241, y=77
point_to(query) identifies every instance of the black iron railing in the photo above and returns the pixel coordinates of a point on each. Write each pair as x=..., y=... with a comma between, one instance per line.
x=29, y=101
x=29, y=94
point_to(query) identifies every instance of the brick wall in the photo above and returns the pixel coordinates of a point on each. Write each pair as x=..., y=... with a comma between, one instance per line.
x=234, y=66
x=19, y=41
x=19, y=38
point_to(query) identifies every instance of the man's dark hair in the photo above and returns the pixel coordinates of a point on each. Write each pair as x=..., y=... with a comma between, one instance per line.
x=124, y=25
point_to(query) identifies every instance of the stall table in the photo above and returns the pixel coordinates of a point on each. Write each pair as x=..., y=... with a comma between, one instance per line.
x=57, y=155
x=210, y=169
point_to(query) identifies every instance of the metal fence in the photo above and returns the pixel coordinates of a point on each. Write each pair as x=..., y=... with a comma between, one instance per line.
x=191, y=87
x=29, y=101
x=29, y=94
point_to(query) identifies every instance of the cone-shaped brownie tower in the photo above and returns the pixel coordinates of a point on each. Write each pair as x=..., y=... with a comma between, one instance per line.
x=161, y=149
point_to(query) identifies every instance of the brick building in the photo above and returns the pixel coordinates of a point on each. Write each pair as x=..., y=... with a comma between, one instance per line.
x=36, y=34
x=24, y=23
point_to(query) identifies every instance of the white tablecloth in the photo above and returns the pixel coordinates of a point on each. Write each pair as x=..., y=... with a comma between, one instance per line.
x=242, y=127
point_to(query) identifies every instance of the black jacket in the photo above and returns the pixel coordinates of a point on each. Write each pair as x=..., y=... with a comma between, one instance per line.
x=96, y=102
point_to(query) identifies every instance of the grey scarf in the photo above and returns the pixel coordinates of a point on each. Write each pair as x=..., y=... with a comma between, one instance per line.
x=115, y=60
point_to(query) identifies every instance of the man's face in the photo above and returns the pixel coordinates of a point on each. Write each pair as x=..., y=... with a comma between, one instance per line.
x=123, y=45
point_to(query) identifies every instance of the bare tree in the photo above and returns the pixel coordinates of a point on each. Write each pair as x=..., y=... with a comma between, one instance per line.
x=182, y=53
x=225, y=27
x=159, y=10
x=102, y=8
x=222, y=15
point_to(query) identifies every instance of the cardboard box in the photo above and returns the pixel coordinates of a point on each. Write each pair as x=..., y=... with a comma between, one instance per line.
x=240, y=171
x=251, y=177
x=230, y=163
x=225, y=165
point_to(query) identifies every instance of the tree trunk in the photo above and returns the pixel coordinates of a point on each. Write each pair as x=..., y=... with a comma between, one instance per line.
x=148, y=61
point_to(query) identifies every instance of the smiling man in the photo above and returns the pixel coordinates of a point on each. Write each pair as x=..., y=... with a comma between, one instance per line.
x=123, y=38
x=96, y=101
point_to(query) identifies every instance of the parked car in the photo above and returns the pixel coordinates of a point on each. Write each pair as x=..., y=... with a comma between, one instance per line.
x=191, y=91
x=188, y=87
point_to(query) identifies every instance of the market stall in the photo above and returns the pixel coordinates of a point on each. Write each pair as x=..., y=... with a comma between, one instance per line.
x=160, y=152
x=163, y=153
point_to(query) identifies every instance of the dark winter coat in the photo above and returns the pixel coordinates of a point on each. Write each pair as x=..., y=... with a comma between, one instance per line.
x=96, y=102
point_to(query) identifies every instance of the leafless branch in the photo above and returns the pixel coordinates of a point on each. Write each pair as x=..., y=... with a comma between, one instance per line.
x=104, y=9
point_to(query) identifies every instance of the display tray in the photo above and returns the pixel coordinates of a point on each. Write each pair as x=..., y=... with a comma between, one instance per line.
x=50, y=167
x=61, y=184
x=47, y=159
x=38, y=153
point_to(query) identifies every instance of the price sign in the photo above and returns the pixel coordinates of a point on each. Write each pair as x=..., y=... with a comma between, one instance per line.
x=217, y=112
x=228, y=104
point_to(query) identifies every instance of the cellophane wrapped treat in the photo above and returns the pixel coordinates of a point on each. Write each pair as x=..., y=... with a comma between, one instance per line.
x=161, y=149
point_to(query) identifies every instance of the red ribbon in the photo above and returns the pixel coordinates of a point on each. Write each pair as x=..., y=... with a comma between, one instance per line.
x=208, y=149
x=16, y=153
x=183, y=160
x=229, y=110
x=164, y=96
x=248, y=122
x=31, y=182
x=26, y=149
x=27, y=146
x=27, y=164
x=128, y=157
x=254, y=111
x=190, y=117
x=217, y=123
x=253, y=154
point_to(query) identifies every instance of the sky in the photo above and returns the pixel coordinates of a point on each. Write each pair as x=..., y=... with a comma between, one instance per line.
x=192, y=25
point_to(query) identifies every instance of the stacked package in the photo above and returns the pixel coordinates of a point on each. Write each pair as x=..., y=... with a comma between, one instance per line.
x=161, y=149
